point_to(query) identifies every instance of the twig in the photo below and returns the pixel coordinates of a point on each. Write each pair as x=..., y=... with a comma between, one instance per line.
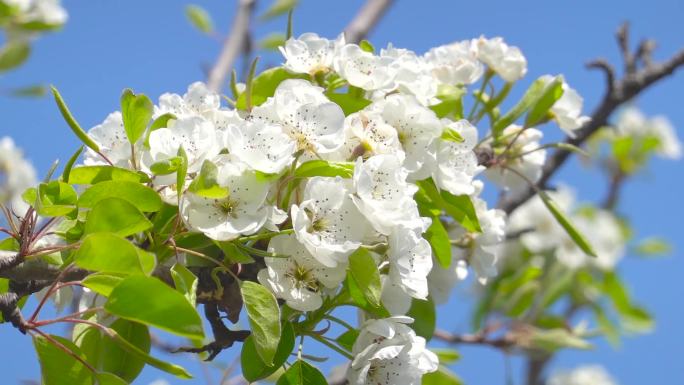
x=368, y=16
x=505, y=342
x=233, y=45
x=622, y=90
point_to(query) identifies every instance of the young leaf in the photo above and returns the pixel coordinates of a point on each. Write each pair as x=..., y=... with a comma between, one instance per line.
x=349, y=103
x=347, y=339
x=569, y=228
x=136, y=111
x=302, y=373
x=73, y=124
x=529, y=99
x=277, y=8
x=451, y=135
x=438, y=237
x=70, y=164
x=205, y=184
x=162, y=121
x=442, y=376
x=98, y=174
x=109, y=253
x=185, y=282
x=459, y=207
x=13, y=54
x=254, y=368
x=551, y=94
x=272, y=41
x=182, y=171
x=167, y=166
x=366, y=45
x=102, y=283
x=264, y=319
x=264, y=85
x=120, y=361
x=324, y=168
x=199, y=18
x=55, y=199
x=142, y=197
x=151, y=302
x=117, y=216
x=365, y=273
x=554, y=339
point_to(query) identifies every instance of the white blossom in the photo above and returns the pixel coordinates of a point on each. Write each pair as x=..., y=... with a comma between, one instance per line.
x=382, y=193
x=327, y=221
x=299, y=279
x=632, y=122
x=604, y=234
x=309, y=53
x=524, y=156
x=583, y=375
x=262, y=146
x=111, y=137
x=508, y=62
x=364, y=69
x=455, y=63
x=388, y=352
x=242, y=212
x=366, y=134
x=16, y=175
x=411, y=74
x=456, y=161
x=410, y=261
x=567, y=111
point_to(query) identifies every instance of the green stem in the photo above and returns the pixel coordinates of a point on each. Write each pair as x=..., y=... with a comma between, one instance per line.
x=329, y=344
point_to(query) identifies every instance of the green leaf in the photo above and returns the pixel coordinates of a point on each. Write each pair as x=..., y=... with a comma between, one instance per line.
x=151, y=302
x=324, y=168
x=136, y=111
x=205, y=184
x=70, y=164
x=157, y=363
x=34, y=91
x=162, y=121
x=233, y=253
x=451, y=101
x=55, y=199
x=348, y=102
x=442, y=376
x=117, y=216
x=199, y=18
x=71, y=121
x=13, y=54
x=110, y=379
x=447, y=356
x=365, y=273
x=438, y=237
x=459, y=207
x=451, y=135
x=264, y=86
x=272, y=41
x=167, y=166
x=57, y=366
x=182, y=171
x=110, y=253
x=650, y=247
x=366, y=45
x=554, y=339
x=102, y=283
x=277, y=8
x=424, y=314
x=142, y=197
x=264, y=319
x=529, y=99
x=552, y=92
x=569, y=228
x=302, y=373
x=98, y=174
x=347, y=339
x=120, y=361
x=185, y=282
x=254, y=368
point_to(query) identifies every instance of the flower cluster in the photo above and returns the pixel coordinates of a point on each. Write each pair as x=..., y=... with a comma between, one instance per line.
x=583, y=375
x=312, y=179
x=34, y=14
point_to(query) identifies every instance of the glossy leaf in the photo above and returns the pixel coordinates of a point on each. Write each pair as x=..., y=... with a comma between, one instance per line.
x=438, y=237
x=348, y=102
x=552, y=92
x=185, y=282
x=254, y=368
x=302, y=373
x=102, y=283
x=109, y=253
x=136, y=111
x=264, y=319
x=98, y=174
x=365, y=273
x=324, y=168
x=264, y=86
x=205, y=184
x=142, y=197
x=116, y=216
x=59, y=367
x=151, y=302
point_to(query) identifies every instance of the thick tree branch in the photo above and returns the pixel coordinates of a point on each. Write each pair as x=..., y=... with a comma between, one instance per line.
x=365, y=20
x=620, y=91
x=233, y=45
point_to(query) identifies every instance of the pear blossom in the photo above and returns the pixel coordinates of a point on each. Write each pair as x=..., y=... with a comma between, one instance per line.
x=311, y=121
x=16, y=175
x=418, y=129
x=366, y=134
x=309, y=53
x=632, y=122
x=508, y=62
x=410, y=261
x=524, y=156
x=382, y=193
x=263, y=147
x=604, y=234
x=455, y=63
x=111, y=137
x=198, y=100
x=411, y=74
x=299, y=279
x=48, y=12
x=456, y=161
x=441, y=281
x=327, y=221
x=387, y=351
x=583, y=375
x=567, y=111
x=243, y=212
x=364, y=69
x=393, y=297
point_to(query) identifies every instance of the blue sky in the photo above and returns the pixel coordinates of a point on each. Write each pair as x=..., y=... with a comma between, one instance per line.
x=149, y=46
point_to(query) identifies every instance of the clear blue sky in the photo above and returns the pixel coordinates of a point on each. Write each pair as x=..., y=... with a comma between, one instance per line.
x=149, y=46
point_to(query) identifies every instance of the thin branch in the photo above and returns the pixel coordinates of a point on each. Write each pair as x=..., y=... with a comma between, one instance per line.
x=505, y=342
x=365, y=20
x=233, y=45
x=622, y=91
